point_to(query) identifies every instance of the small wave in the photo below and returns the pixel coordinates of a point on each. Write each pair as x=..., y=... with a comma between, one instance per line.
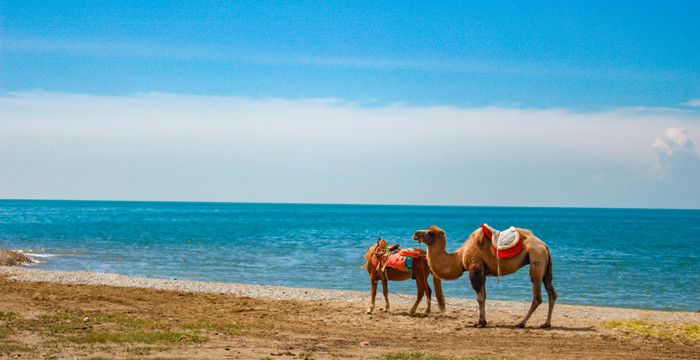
x=36, y=258
x=36, y=255
x=75, y=252
x=41, y=255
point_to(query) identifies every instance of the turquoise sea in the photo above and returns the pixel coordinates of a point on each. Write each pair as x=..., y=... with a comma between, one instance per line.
x=611, y=257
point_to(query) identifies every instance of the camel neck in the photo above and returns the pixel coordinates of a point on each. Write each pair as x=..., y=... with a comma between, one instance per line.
x=447, y=266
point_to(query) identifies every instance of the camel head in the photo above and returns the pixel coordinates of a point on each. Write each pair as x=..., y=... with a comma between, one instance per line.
x=379, y=245
x=431, y=236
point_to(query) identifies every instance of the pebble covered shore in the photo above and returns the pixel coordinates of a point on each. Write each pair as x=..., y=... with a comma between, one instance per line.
x=591, y=313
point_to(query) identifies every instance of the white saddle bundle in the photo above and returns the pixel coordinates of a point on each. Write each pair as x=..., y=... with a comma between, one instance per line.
x=504, y=240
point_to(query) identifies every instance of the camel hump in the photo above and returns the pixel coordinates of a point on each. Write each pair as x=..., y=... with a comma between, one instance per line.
x=502, y=240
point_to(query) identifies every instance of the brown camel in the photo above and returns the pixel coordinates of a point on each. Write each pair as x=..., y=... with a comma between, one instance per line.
x=420, y=273
x=477, y=257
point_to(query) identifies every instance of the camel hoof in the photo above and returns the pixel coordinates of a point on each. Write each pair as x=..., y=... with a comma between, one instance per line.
x=520, y=325
x=480, y=324
x=369, y=311
x=546, y=326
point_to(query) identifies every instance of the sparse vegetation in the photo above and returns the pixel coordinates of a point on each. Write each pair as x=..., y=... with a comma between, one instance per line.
x=78, y=327
x=100, y=318
x=422, y=356
x=233, y=328
x=656, y=329
x=305, y=355
x=7, y=315
x=135, y=337
x=145, y=350
x=7, y=348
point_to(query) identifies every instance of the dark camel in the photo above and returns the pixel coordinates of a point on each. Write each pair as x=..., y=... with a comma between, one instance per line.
x=420, y=274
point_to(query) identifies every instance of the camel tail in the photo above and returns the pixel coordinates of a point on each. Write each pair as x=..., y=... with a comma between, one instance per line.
x=548, y=276
x=437, y=284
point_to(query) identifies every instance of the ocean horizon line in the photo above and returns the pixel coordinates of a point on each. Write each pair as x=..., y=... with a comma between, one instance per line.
x=349, y=204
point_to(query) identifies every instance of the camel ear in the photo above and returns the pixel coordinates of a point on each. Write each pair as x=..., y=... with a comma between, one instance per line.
x=434, y=230
x=431, y=231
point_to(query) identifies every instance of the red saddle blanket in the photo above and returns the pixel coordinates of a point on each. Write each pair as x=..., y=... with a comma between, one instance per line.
x=414, y=253
x=402, y=260
x=504, y=254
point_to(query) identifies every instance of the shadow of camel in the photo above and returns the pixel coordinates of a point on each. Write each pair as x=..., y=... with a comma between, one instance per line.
x=558, y=328
x=414, y=315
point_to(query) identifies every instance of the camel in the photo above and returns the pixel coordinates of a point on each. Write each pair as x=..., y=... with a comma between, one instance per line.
x=420, y=273
x=476, y=257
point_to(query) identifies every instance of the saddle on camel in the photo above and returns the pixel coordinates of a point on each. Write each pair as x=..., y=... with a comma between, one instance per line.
x=504, y=244
x=384, y=263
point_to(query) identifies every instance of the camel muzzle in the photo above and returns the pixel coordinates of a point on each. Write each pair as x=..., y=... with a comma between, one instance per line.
x=417, y=236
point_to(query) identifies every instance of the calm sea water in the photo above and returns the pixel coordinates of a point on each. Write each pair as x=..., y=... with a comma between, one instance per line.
x=611, y=257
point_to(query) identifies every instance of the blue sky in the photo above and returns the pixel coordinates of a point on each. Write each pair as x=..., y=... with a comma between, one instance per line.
x=618, y=73
x=562, y=54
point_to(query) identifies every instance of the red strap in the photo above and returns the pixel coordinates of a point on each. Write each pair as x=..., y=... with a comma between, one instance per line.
x=504, y=254
x=486, y=231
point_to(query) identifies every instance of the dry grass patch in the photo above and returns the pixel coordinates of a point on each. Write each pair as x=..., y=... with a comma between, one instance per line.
x=101, y=328
x=87, y=328
x=659, y=330
x=8, y=348
x=101, y=319
x=422, y=356
x=146, y=350
x=7, y=315
x=233, y=328
x=5, y=332
x=135, y=337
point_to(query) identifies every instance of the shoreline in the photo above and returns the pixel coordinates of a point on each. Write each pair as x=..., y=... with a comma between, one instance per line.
x=273, y=292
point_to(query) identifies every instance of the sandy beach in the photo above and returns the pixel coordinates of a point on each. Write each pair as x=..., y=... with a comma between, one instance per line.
x=52, y=314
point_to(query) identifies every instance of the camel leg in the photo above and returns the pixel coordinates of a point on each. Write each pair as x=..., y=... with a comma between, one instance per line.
x=536, y=275
x=428, y=293
x=551, y=294
x=419, y=296
x=437, y=283
x=385, y=291
x=428, y=290
x=373, y=295
x=478, y=280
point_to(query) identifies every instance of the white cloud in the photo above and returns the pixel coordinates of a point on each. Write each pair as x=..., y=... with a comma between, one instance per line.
x=116, y=49
x=674, y=149
x=186, y=147
x=692, y=103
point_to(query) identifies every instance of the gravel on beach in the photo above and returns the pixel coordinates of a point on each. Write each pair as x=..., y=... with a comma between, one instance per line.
x=579, y=312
